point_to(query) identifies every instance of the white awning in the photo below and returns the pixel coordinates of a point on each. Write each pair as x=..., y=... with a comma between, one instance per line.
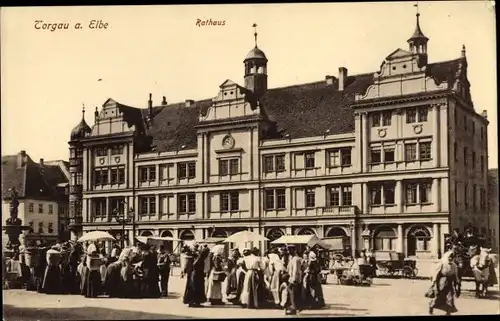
x=309, y=240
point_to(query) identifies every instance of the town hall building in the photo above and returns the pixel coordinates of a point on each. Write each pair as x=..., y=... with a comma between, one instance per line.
x=390, y=160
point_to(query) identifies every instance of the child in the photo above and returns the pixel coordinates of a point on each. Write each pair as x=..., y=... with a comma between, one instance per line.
x=285, y=293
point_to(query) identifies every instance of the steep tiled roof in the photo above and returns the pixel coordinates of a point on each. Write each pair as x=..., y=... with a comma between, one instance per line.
x=311, y=109
x=299, y=111
x=31, y=180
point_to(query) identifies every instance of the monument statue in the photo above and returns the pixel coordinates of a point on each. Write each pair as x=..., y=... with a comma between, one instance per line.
x=13, y=225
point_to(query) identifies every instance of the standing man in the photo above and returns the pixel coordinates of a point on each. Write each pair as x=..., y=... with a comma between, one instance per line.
x=294, y=269
x=164, y=269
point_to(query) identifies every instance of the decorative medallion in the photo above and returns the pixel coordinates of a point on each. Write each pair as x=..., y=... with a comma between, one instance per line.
x=101, y=161
x=382, y=132
x=417, y=128
x=228, y=142
x=117, y=159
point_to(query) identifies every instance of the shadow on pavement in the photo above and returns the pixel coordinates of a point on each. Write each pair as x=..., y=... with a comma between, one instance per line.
x=471, y=294
x=11, y=312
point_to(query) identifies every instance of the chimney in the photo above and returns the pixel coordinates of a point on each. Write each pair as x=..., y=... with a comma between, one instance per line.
x=41, y=161
x=342, y=78
x=189, y=102
x=22, y=158
x=164, y=101
x=484, y=114
x=329, y=80
x=150, y=104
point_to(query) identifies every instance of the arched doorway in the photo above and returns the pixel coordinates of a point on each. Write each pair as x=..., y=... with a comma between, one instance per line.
x=168, y=244
x=385, y=239
x=336, y=232
x=306, y=231
x=418, y=240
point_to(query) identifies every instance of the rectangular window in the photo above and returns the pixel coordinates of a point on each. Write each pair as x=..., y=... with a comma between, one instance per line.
x=425, y=192
x=310, y=197
x=474, y=160
x=235, y=201
x=376, y=119
x=335, y=196
x=422, y=114
x=309, y=160
x=280, y=163
x=410, y=152
x=466, y=195
x=274, y=163
x=474, y=191
x=117, y=150
x=455, y=151
x=147, y=173
x=186, y=203
x=186, y=170
x=51, y=209
x=346, y=156
x=269, y=199
x=425, y=151
x=376, y=195
x=121, y=175
x=280, y=199
x=191, y=169
x=223, y=167
x=268, y=164
x=411, y=193
x=147, y=205
x=386, y=118
x=230, y=202
x=375, y=156
x=389, y=194
x=389, y=155
x=411, y=115
x=40, y=208
x=99, y=206
x=234, y=166
x=346, y=195
x=99, y=152
x=334, y=158
x=31, y=208
x=224, y=202
x=465, y=156
x=114, y=175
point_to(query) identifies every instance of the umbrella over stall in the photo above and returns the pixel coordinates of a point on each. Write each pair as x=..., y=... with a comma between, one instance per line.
x=96, y=236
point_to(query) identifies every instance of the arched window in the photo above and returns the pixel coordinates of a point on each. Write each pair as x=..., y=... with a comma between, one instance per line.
x=274, y=234
x=418, y=240
x=146, y=233
x=166, y=233
x=219, y=233
x=385, y=239
x=336, y=232
x=306, y=231
x=187, y=235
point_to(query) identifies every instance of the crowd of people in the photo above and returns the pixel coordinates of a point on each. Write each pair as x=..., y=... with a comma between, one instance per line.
x=280, y=279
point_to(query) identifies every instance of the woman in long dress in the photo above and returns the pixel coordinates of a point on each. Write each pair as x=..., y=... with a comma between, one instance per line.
x=313, y=291
x=51, y=280
x=276, y=268
x=445, y=284
x=252, y=283
x=195, y=283
x=231, y=282
x=215, y=278
x=93, y=282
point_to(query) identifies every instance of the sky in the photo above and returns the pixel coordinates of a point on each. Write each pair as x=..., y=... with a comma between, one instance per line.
x=46, y=76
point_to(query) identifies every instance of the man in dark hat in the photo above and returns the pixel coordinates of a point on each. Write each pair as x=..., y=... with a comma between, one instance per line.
x=164, y=269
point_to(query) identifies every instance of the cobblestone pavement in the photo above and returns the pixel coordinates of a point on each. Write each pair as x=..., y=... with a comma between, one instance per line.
x=388, y=297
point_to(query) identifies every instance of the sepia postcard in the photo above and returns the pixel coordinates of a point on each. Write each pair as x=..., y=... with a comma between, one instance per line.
x=249, y=160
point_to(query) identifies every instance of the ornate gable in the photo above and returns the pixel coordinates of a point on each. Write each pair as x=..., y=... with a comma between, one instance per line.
x=232, y=101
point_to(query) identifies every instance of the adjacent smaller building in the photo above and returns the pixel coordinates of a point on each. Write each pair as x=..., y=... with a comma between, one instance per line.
x=493, y=209
x=43, y=195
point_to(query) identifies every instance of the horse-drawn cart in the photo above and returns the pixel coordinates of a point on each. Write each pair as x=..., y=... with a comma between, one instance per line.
x=393, y=263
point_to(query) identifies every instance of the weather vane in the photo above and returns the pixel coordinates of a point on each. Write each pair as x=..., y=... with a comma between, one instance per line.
x=416, y=6
x=255, y=34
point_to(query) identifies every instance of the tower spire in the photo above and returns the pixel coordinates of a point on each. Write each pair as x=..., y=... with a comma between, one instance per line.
x=255, y=33
x=83, y=111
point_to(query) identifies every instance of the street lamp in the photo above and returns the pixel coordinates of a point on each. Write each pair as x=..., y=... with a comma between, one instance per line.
x=353, y=240
x=122, y=218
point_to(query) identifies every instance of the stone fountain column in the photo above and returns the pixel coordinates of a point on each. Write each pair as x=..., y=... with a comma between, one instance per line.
x=13, y=227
